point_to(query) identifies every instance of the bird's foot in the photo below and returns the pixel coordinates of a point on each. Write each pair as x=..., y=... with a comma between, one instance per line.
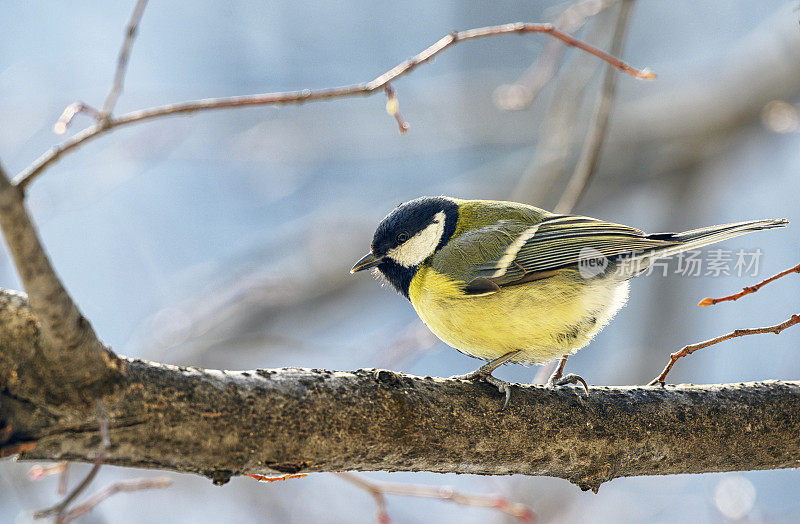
x=480, y=375
x=571, y=378
x=476, y=376
x=502, y=386
x=484, y=374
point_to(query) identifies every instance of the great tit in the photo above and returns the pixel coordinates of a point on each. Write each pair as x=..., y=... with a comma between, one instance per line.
x=509, y=282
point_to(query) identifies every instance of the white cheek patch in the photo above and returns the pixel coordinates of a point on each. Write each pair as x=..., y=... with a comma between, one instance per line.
x=422, y=245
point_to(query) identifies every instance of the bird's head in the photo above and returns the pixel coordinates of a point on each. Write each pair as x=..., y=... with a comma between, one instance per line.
x=407, y=237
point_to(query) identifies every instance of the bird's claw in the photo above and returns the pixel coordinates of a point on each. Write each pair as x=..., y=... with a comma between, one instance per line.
x=475, y=376
x=482, y=376
x=502, y=386
x=571, y=378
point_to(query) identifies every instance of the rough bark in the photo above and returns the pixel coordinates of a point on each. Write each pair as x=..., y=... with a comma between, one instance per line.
x=225, y=423
x=76, y=358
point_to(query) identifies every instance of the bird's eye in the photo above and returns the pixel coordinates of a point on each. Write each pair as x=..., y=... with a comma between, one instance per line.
x=402, y=237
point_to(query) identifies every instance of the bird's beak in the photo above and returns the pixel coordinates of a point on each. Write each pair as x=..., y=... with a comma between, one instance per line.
x=367, y=261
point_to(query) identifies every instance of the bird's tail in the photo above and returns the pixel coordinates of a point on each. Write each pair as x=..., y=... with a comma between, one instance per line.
x=697, y=238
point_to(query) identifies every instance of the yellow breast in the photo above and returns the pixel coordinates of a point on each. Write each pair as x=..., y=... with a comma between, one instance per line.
x=545, y=318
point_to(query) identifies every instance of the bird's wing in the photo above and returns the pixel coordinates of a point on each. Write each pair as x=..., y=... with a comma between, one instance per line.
x=509, y=253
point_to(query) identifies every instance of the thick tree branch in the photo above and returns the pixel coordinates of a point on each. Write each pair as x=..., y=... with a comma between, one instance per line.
x=225, y=423
x=71, y=350
x=307, y=95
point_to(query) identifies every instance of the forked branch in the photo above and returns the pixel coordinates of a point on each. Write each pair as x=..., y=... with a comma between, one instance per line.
x=60, y=509
x=74, y=355
x=379, y=490
x=122, y=59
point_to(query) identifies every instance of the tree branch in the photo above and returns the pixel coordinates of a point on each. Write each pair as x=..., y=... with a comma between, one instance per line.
x=72, y=351
x=520, y=94
x=122, y=486
x=224, y=423
x=593, y=146
x=122, y=60
x=59, y=509
x=379, y=490
x=708, y=301
x=736, y=333
x=307, y=95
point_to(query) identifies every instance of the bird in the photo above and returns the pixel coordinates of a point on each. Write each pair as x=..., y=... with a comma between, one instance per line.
x=507, y=282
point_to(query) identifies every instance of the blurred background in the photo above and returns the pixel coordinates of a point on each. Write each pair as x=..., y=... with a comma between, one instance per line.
x=224, y=239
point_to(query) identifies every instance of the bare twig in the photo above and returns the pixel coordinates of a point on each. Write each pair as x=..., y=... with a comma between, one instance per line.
x=393, y=108
x=554, y=147
x=104, y=114
x=381, y=515
x=590, y=155
x=125, y=486
x=378, y=490
x=60, y=468
x=59, y=509
x=122, y=60
x=307, y=95
x=72, y=110
x=520, y=94
x=39, y=472
x=688, y=350
x=708, y=301
x=63, y=480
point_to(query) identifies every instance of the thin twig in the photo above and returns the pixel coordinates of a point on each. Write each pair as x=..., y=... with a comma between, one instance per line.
x=59, y=509
x=381, y=514
x=122, y=60
x=40, y=472
x=378, y=490
x=708, y=301
x=63, y=122
x=590, y=155
x=520, y=94
x=307, y=95
x=393, y=108
x=688, y=350
x=553, y=149
x=63, y=480
x=126, y=486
